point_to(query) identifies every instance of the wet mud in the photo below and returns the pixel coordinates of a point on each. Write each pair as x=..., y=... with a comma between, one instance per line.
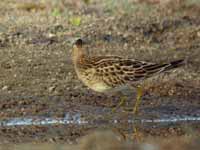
x=41, y=99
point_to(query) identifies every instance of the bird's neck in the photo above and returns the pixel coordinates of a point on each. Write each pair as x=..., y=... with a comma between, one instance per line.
x=78, y=56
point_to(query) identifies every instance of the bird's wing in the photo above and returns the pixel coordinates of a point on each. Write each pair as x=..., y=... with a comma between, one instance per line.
x=122, y=71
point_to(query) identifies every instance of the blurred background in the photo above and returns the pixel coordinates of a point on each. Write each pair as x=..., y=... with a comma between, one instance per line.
x=43, y=104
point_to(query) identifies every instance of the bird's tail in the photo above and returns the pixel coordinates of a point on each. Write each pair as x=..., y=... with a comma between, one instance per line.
x=158, y=68
x=173, y=64
x=150, y=69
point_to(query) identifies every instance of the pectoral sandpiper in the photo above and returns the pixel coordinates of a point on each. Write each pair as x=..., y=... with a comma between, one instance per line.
x=104, y=73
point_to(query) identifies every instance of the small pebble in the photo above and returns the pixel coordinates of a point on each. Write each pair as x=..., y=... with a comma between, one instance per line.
x=4, y=88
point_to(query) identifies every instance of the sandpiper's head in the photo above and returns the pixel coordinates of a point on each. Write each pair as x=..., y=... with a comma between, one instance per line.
x=78, y=43
x=77, y=50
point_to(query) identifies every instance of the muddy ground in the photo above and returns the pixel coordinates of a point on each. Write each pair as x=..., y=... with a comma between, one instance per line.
x=37, y=76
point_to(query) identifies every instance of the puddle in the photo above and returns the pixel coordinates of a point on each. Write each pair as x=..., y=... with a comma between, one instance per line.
x=91, y=116
x=77, y=119
x=25, y=121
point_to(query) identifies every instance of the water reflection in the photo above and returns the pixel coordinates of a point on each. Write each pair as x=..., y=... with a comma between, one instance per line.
x=77, y=119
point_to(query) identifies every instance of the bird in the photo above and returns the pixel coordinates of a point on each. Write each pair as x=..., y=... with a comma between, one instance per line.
x=106, y=73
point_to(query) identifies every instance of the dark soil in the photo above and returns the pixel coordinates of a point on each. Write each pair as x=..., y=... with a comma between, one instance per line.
x=37, y=76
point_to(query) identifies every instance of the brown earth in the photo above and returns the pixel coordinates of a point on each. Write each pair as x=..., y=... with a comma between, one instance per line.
x=37, y=76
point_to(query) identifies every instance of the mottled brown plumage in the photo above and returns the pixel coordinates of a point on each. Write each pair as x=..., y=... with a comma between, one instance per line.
x=103, y=73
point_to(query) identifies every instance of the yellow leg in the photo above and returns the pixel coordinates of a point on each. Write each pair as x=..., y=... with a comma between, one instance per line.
x=138, y=100
x=122, y=101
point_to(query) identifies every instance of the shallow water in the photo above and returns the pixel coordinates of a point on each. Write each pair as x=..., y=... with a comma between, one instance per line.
x=77, y=119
